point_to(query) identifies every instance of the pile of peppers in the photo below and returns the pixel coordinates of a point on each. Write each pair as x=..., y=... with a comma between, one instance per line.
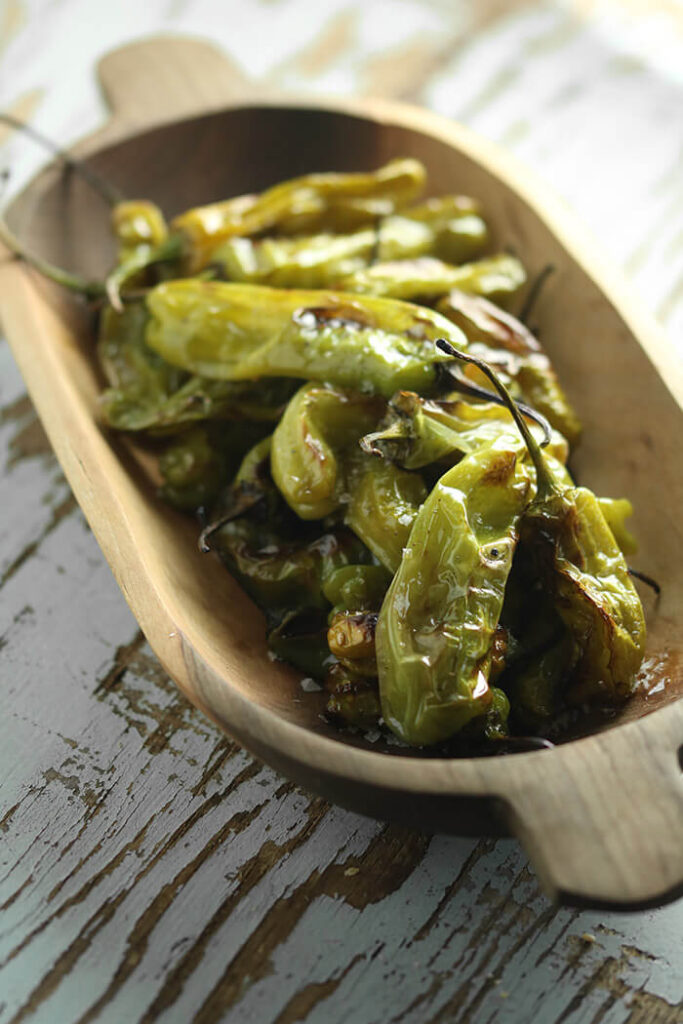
x=400, y=510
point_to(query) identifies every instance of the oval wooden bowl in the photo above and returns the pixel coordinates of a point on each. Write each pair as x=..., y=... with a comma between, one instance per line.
x=601, y=816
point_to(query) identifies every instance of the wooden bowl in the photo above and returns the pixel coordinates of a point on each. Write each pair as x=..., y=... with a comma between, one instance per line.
x=601, y=816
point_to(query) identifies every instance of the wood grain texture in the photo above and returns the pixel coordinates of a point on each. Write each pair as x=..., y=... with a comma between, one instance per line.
x=466, y=934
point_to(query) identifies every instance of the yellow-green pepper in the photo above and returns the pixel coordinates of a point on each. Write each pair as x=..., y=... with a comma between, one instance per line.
x=437, y=624
x=241, y=331
x=498, y=277
x=318, y=425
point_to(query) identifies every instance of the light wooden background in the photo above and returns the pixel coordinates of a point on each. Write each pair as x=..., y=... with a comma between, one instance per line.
x=149, y=869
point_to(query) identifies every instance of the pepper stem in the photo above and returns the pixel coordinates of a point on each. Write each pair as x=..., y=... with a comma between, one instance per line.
x=108, y=192
x=169, y=249
x=534, y=292
x=75, y=283
x=466, y=387
x=648, y=580
x=545, y=483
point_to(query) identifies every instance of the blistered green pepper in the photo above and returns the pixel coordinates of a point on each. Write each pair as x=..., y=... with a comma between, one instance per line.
x=580, y=562
x=356, y=593
x=318, y=425
x=353, y=700
x=313, y=202
x=242, y=331
x=282, y=562
x=583, y=571
x=320, y=261
x=499, y=278
x=418, y=431
x=137, y=223
x=197, y=399
x=285, y=576
x=510, y=347
x=279, y=573
x=193, y=470
x=147, y=393
x=437, y=624
x=253, y=471
x=540, y=656
x=536, y=682
x=384, y=501
x=139, y=378
x=351, y=638
x=143, y=240
x=300, y=639
x=357, y=588
x=252, y=489
x=460, y=233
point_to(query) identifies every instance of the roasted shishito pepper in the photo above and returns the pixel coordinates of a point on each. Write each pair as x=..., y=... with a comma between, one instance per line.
x=581, y=567
x=147, y=393
x=449, y=229
x=238, y=332
x=320, y=470
x=284, y=565
x=144, y=243
x=578, y=559
x=437, y=626
x=313, y=202
x=427, y=278
x=319, y=426
x=408, y=541
x=419, y=432
x=509, y=346
x=139, y=226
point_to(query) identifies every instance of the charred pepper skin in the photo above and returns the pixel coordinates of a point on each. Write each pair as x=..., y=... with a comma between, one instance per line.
x=313, y=202
x=353, y=699
x=516, y=355
x=578, y=558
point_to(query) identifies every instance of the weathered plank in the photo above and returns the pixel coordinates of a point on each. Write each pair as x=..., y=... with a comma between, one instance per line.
x=173, y=875
x=27, y=457
x=149, y=869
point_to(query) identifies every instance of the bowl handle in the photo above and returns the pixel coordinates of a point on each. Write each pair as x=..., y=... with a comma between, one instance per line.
x=602, y=818
x=166, y=78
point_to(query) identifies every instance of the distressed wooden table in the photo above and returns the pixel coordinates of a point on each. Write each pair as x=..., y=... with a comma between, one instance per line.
x=150, y=870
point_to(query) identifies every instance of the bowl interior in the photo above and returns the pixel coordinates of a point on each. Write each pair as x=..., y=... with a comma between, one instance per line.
x=632, y=424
